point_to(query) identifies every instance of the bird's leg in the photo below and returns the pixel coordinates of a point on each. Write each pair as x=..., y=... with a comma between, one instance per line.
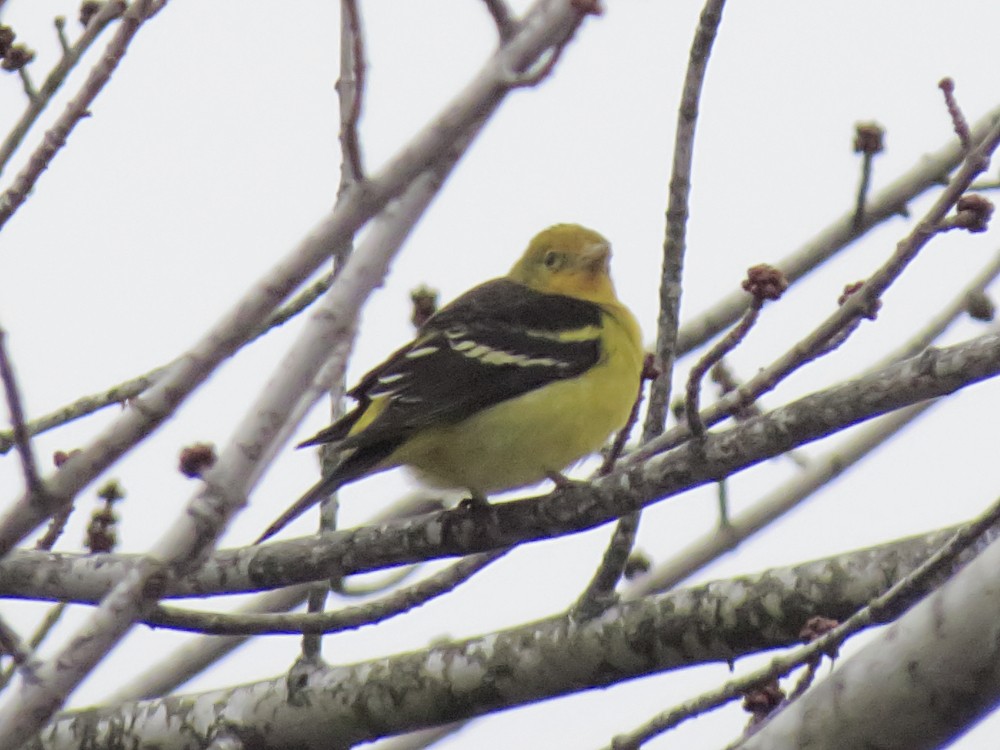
x=476, y=501
x=561, y=481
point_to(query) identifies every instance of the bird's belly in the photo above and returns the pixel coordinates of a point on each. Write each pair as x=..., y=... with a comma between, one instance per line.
x=520, y=441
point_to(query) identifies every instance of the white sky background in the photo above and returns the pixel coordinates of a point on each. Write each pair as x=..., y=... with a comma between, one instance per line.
x=214, y=149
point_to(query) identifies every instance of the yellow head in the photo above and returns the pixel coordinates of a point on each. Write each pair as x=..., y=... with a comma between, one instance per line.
x=567, y=259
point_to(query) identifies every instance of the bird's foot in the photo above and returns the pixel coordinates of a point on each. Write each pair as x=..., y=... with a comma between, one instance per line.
x=475, y=503
x=563, y=482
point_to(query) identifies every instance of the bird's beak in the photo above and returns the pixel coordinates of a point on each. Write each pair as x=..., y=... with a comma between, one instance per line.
x=595, y=257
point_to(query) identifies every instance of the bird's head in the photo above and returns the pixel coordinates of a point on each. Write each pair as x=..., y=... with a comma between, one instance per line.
x=567, y=259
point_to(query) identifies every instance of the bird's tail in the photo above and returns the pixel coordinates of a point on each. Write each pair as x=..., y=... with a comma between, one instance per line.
x=322, y=489
x=356, y=463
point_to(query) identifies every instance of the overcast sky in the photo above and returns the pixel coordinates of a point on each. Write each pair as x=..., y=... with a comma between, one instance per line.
x=214, y=149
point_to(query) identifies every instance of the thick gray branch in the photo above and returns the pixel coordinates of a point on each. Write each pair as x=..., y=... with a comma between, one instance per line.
x=934, y=373
x=923, y=681
x=335, y=707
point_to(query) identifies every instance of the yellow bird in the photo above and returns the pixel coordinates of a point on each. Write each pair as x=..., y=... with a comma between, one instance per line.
x=509, y=384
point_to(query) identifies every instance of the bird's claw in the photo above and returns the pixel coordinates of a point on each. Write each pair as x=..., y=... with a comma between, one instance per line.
x=563, y=482
x=474, y=504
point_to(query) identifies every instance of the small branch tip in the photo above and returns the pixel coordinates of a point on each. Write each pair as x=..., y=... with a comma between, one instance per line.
x=958, y=121
x=196, y=458
x=869, y=138
x=765, y=282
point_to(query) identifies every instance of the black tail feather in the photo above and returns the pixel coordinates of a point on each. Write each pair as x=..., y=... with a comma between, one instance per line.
x=356, y=464
x=322, y=489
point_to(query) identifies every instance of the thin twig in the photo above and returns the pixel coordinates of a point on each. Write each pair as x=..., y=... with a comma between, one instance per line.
x=26, y=83
x=958, y=121
x=764, y=283
x=677, y=215
x=199, y=654
x=348, y=618
x=927, y=173
x=617, y=446
x=868, y=141
x=77, y=109
x=725, y=345
x=599, y=593
x=60, y=24
x=882, y=609
x=503, y=17
x=129, y=389
x=350, y=91
x=816, y=627
x=858, y=305
x=51, y=619
x=985, y=185
x=57, y=525
x=863, y=187
x=109, y=11
x=12, y=646
x=21, y=437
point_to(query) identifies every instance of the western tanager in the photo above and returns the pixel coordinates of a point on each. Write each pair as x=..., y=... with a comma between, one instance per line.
x=509, y=384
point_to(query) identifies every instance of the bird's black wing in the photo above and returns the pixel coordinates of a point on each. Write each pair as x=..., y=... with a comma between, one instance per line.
x=496, y=342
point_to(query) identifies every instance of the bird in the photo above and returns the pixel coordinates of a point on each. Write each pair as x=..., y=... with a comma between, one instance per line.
x=509, y=384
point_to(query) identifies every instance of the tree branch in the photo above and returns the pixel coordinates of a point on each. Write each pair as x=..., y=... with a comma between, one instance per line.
x=43, y=96
x=345, y=705
x=931, y=674
x=55, y=138
x=599, y=593
x=935, y=373
x=861, y=303
x=929, y=172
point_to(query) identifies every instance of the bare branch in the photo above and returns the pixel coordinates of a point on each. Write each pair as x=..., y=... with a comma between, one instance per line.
x=51, y=619
x=859, y=304
x=129, y=389
x=442, y=136
x=348, y=618
x=677, y=215
x=78, y=107
x=884, y=608
x=599, y=592
x=929, y=172
x=60, y=23
x=868, y=141
x=227, y=483
x=350, y=91
x=934, y=373
x=434, y=695
x=194, y=657
x=22, y=439
x=764, y=283
x=503, y=17
x=350, y=95
x=958, y=121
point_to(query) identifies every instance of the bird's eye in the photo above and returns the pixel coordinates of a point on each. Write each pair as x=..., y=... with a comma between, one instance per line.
x=551, y=259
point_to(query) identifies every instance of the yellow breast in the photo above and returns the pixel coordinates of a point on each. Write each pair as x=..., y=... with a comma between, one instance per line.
x=522, y=440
